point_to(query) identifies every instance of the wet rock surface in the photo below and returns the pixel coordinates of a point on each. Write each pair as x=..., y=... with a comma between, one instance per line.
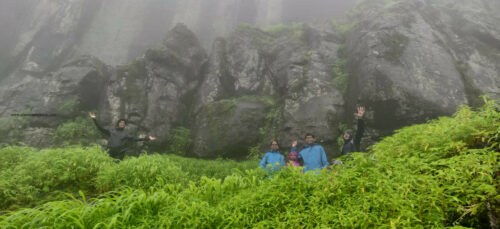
x=407, y=62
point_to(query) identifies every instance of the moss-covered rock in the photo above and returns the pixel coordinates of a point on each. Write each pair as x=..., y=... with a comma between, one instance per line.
x=395, y=44
x=228, y=127
x=133, y=74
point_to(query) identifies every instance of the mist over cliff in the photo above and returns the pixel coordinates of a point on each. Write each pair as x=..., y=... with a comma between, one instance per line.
x=236, y=74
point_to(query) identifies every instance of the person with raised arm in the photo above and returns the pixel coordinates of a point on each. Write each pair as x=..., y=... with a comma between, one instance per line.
x=118, y=138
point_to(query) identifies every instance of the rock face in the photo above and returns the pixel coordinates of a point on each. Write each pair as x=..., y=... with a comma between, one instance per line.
x=469, y=33
x=154, y=92
x=117, y=31
x=78, y=83
x=290, y=66
x=53, y=98
x=416, y=60
x=406, y=61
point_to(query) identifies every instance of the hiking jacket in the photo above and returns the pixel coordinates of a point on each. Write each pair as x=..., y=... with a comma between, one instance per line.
x=293, y=162
x=119, y=138
x=314, y=157
x=354, y=142
x=273, y=157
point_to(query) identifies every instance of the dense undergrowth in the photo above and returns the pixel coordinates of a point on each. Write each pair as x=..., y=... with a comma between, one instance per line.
x=440, y=174
x=30, y=177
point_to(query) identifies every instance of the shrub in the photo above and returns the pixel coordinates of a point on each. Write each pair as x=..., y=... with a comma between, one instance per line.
x=13, y=156
x=30, y=177
x=220, y=168
x=142, y=172
x=11, y=128
x=339, y=70
x=179, y=141
x=45, y=175
x=80, y=131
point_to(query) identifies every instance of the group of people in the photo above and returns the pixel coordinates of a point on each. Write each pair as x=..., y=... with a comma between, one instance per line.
x=313, y=156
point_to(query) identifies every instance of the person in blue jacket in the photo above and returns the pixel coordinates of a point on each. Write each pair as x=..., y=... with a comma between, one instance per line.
x=312, y=155
x=273, y=159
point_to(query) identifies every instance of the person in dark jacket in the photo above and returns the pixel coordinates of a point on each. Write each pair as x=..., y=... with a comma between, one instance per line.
x=119, y=138
x=352, y=143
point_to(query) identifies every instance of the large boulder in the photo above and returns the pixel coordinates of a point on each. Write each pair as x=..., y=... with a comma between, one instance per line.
x=229, y=127
x=411, y=62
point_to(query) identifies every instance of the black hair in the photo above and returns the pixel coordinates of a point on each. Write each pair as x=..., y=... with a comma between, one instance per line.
x=119, y=120
x=309, y=134
x=276, y=142
x=349, y=131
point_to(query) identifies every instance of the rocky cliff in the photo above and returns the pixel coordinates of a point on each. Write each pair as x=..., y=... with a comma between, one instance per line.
x=406, y=61
x=41, y=34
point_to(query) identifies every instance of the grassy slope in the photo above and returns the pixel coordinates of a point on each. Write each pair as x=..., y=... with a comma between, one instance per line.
x=442, y=173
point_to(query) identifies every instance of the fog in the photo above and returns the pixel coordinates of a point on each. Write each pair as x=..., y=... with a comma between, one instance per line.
x=406, y=61
x=117, y=31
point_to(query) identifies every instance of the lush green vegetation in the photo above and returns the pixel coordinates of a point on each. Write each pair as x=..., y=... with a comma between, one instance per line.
x=132, y=72
x=80, y=130
x=11, y=128
x=219, y=168
x=339, y=70
x=30, y=177
x=440, y=174
x=179, y=140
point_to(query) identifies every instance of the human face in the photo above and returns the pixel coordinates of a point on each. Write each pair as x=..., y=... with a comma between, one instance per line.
x=274, y=145
x=346, y=136
x=121, y=124
x=292, y=157
x=309, y=140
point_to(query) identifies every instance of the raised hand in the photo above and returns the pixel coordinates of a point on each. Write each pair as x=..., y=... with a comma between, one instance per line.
x=152, y=138
x=92, y=115
x=361, y=112
x=294, y=143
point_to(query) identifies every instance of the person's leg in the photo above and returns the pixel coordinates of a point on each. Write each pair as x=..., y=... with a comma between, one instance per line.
x=116, y=155
x=120, y=155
